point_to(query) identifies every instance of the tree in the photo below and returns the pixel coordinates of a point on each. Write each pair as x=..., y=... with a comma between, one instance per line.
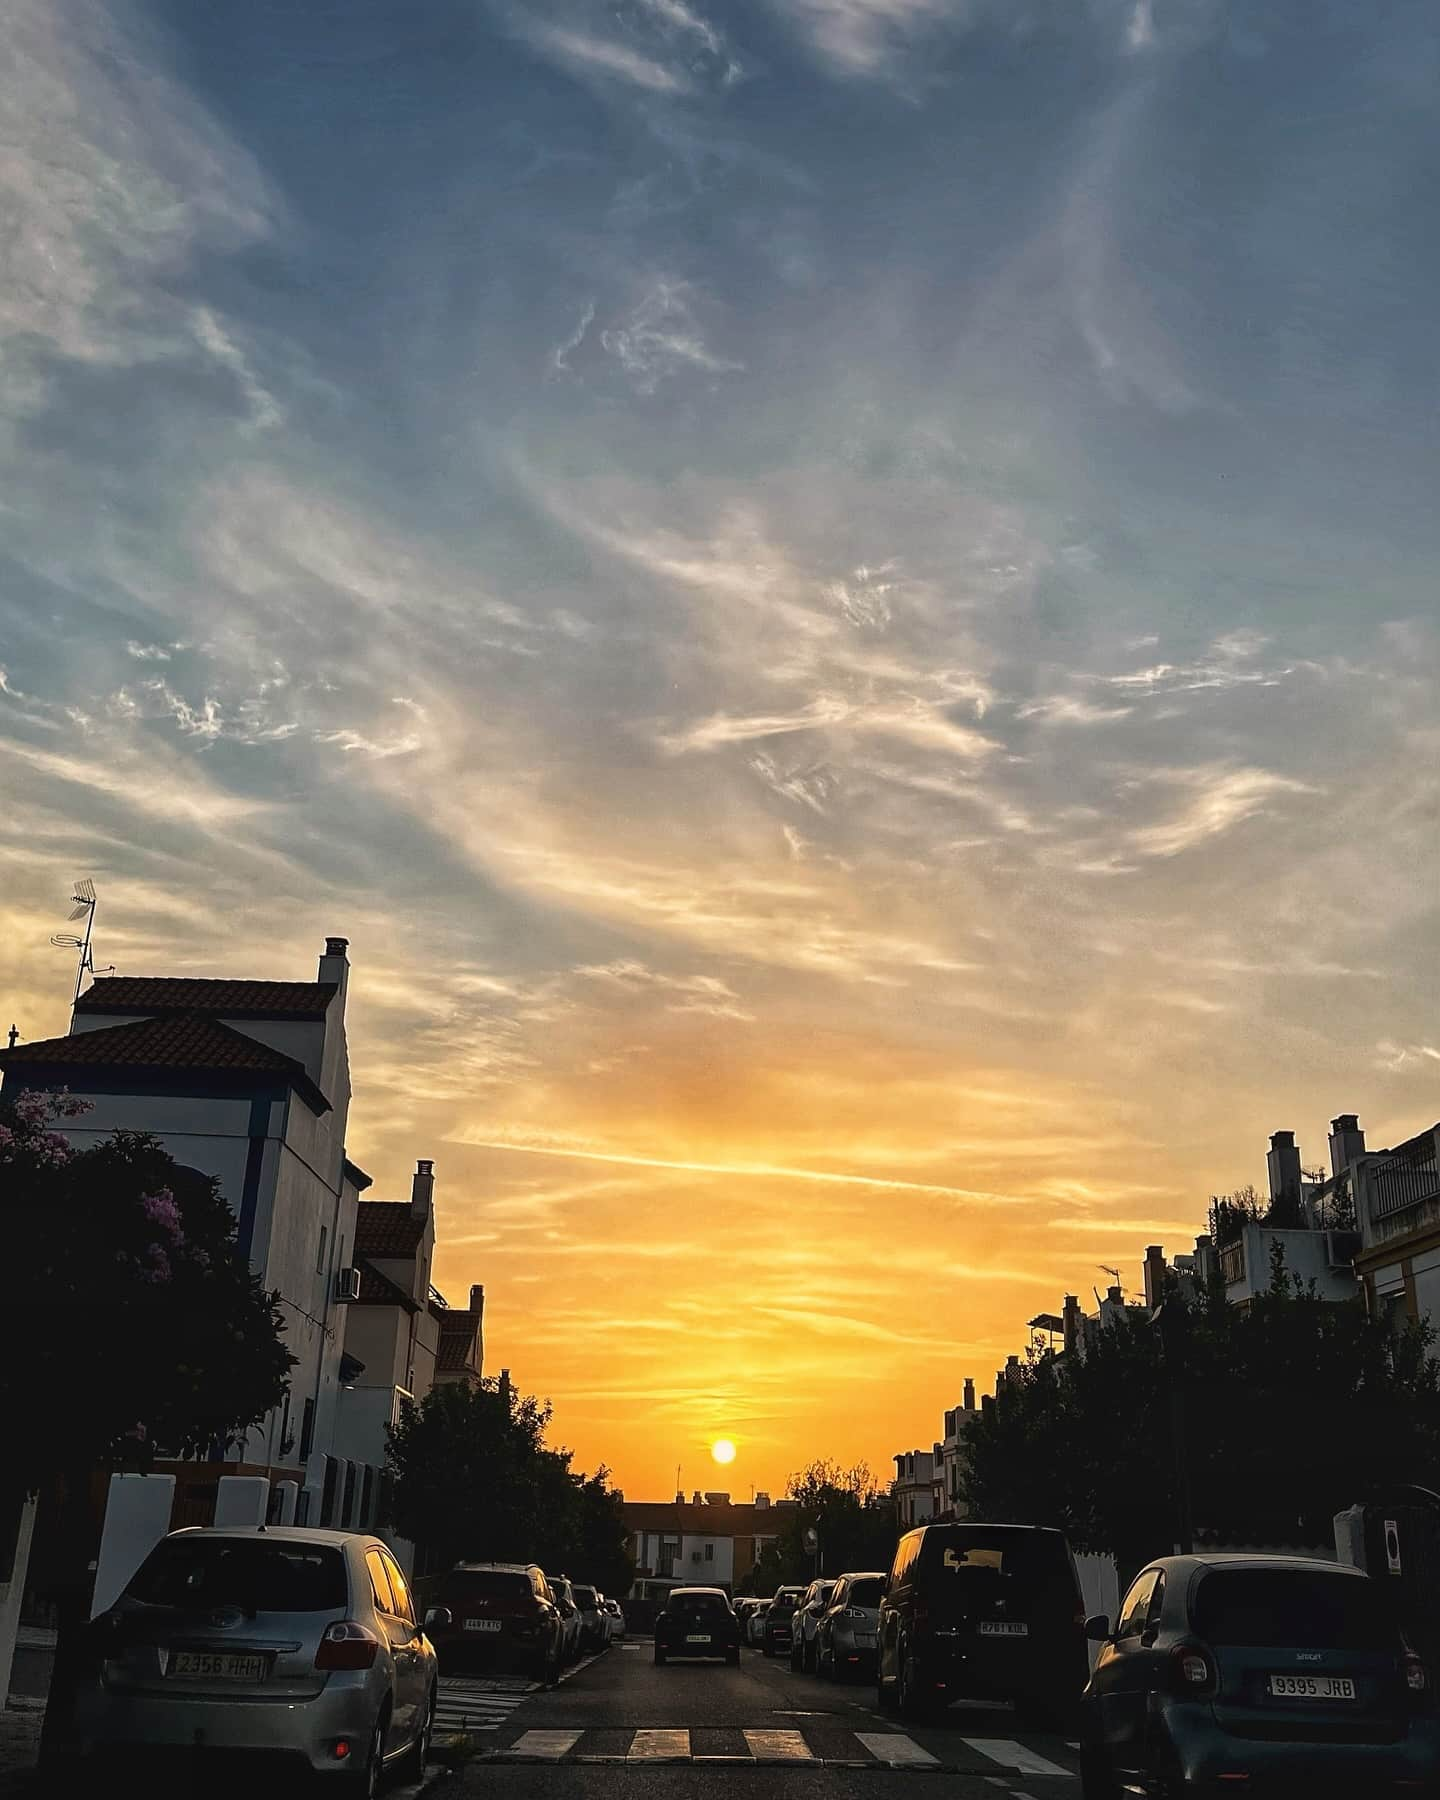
x=853, y=1519
x=1294, y=1407
x=472, y=1479
x=137, y=1328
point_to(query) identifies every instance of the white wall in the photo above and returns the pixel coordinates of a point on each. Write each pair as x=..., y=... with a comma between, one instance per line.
x=718, y=1572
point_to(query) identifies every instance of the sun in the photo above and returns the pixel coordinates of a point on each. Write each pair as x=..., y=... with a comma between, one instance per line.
x=723, y=1450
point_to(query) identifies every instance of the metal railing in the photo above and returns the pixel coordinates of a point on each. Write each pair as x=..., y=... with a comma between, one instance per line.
x=1403, y=1181
x=1232, y=1262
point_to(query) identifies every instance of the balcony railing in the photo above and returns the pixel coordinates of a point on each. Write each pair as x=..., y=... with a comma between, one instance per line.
x=1403, y=1181
x=1232, y=1263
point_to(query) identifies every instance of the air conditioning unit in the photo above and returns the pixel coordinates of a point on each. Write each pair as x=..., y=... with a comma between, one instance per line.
x=347, y=1284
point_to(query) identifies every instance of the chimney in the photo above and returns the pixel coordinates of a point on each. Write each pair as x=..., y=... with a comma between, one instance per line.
x=1012, y=1368
x=1283, y=1163
x=969, y=1394
x=1070, y=1321
x=422, y=1190
x=1347, y=1143
x=762, y=1501
x=695, y=1498
x=1154, y=1275
x=477, y=1299
x=335, y=965
x=1115, y=1295
x=504, y=1386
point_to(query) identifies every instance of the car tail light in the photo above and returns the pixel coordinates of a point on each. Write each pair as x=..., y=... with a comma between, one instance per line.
x=1192, y=1668
x=347, y=1644
x=1417, y=1678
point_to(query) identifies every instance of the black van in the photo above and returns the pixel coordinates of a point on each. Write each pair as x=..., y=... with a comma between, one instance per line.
x=977, y=1611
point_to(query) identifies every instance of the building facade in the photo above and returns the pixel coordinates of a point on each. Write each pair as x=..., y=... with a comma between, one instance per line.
x=710, y=1541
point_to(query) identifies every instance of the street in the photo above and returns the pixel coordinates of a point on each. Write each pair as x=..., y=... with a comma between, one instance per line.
x=620, y=1725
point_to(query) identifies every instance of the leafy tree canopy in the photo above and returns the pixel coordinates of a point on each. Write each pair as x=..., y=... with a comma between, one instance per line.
x=473, y=1480
x=1293, y=1408
x=853, y=1519
x=135, y=1326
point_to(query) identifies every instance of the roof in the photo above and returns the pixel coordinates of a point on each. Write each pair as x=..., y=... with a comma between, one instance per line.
x=458, y=1334
x=388, y=1228
x=354, y=1174
x=498, y=1568
x=186, y=1042
x=157, y=994
x=379, y=1290
x=740, y=1518
x=1252, y=1559
x=304, y=1534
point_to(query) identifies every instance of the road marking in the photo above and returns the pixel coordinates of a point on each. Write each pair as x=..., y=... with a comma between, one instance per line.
x=545, y=1746
x=895, y=1748
x=474, y=1703
x=779, y=1746
x=660, y=1746
x=1015, y=1756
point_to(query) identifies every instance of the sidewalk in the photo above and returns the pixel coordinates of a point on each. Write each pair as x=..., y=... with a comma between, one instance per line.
x=20, y=1725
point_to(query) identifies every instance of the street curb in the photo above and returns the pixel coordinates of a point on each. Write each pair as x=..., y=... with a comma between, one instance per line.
x=515, y=1758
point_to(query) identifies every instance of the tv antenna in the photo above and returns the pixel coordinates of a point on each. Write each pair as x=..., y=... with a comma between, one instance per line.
x=83, y=907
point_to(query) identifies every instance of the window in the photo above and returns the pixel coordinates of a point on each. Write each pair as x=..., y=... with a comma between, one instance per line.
x=1157, y=1604
x=379, y=1581
x=404, y=1607
x=865, y=1592
x=709, y=1553
x=307, y=1431
x=1132, y=1613
x=320, y=1254
x=1253, y=1608
x=208, y=1572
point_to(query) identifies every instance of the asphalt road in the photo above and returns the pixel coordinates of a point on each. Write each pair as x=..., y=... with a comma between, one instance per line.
x=619, y=1727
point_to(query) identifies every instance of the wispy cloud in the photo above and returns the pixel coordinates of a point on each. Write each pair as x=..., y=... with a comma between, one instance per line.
x=1220, y=799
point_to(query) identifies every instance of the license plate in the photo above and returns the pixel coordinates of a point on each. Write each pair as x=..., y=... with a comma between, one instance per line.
x=865, y=1640
x=1312, y=1687
x=698, y=1640
x=1002, y=1628
x=227, y=1668
x=482, y=1624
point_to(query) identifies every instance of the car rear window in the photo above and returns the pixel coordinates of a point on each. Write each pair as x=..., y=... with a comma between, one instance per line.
x=1299, y=1608
x=252, y=1573
x=867, y=1592
x=489, y=1584
x=709, y=1606
x=584, y=1598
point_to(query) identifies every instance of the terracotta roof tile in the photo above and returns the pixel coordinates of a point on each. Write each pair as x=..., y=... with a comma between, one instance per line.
x=186, y=1042
x=387, y=1228
x=458, y=1348
x=157, y=994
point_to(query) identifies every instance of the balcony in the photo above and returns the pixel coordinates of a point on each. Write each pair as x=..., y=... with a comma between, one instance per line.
x=1402, y=1190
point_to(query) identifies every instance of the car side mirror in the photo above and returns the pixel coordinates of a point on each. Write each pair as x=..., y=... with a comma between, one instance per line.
x=1097, y=1629
x=438, y=1618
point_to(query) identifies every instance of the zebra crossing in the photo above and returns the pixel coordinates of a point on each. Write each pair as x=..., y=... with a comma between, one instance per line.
x=465, y=1705
x=772, y=1746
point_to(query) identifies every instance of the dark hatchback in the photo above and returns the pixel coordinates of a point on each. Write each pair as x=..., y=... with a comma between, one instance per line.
x=697, y=1622
x=778, y=1632
x=1257, y=1675
x=501, y=1617
x=990, y=1612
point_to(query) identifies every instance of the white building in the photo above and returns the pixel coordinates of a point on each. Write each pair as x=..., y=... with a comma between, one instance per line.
x=248, y=1081
x=709, y=1541
x=913, y=1489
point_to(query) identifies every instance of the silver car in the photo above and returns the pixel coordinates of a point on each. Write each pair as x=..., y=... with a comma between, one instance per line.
x=845, y=1641
x=299, y=1646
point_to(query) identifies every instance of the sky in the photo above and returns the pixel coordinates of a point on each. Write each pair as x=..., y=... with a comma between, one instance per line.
x=838, y=597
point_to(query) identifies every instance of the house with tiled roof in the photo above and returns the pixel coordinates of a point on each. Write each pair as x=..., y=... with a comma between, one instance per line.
x=247, y=1081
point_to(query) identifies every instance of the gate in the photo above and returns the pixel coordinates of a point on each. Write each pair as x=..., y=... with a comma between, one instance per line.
x=1401, y=1540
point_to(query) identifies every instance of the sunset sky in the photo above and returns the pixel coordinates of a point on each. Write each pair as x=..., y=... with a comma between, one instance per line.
x=838, y=596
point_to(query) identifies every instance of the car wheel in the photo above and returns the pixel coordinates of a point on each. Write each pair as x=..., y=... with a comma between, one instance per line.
x=659, y=1657
x=418, y=1754
x=910, y=1697
x=732, y=1656
x=767, y=1650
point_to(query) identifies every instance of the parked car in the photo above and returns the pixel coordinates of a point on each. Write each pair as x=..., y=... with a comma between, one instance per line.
x=1256, y=1673
x=302, y=1643
x=697, y=1622
x=806, y=1623
x=501, y=1617
x=616, y=1617
x=594, y=1635
x=755, y=1624
x=564, y=1597
x=980, y=1611
x=779, y=1617
x=845, y=1637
